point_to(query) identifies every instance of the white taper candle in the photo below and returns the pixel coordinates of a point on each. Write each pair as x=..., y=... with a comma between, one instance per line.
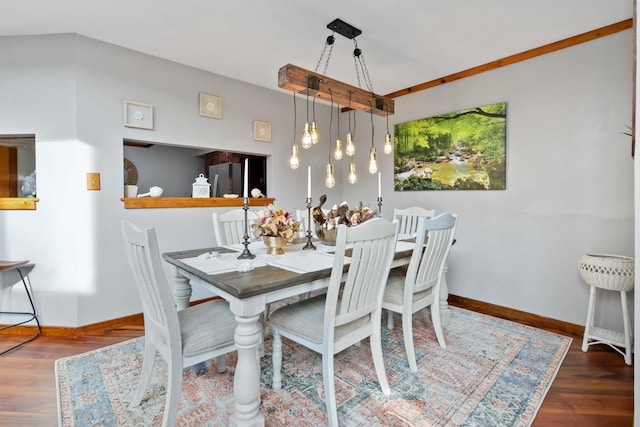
x=379, y=186
x=309, y=182
x=246, y=178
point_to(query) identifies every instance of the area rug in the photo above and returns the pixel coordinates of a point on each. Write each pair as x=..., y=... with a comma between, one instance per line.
x=492, y=373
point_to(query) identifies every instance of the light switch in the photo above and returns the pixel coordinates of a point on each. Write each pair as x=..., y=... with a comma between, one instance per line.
x=93, y=181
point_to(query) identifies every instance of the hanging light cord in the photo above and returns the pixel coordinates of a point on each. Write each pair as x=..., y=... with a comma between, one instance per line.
x=331, y=123
x=372, y=128
x=294, y=118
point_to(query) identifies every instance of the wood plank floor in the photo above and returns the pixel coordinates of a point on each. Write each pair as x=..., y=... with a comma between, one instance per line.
x=591, y=389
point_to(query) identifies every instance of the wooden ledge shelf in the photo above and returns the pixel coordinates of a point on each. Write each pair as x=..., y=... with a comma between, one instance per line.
x=18, y=203
x=190, y=202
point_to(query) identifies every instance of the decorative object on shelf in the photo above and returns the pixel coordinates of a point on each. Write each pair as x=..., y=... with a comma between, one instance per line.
x=262, y=131
x=256, y=193
x=276, y=223
x=327, y=224
x=201, y=188
x=138, y=115
x=274, y=244
x=29, y=185
x=210, y=106
x=311, y=83
x=130, y=179
x=153, y=192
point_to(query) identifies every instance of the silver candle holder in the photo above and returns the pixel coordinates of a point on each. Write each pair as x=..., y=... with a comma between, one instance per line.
x=246, y=253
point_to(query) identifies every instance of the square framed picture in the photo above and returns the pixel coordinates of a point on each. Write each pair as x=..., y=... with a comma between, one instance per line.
x=262, y=131
x=138, y=115
x=210, y=106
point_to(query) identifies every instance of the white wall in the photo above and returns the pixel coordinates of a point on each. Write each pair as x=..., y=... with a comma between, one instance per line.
x=69, y=90
x=569, y=179
x=569, y=173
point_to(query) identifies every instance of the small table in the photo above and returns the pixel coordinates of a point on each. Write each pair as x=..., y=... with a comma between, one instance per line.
x=248, y=295
x=12, y=272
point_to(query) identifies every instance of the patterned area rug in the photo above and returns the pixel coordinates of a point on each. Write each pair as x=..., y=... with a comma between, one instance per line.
x=492, y=373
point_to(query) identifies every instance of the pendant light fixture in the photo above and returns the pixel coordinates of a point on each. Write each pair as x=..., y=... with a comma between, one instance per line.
x=294, y=160
x=373, y=161
x=387, y=148
x=361, y=97
x=330, y=179
x=314, y=125
x=350, y=150
x=337, y=154
x=306, y=135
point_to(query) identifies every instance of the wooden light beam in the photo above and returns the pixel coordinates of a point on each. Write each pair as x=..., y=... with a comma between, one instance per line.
x=298, y=79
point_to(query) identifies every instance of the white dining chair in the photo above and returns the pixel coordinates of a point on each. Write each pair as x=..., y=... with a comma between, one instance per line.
x=408, y=219
x=229, y=227
x=350, y=310
x=183, y=338
x=420, y=287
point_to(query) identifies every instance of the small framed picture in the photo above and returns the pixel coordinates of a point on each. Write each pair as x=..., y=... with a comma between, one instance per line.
x=262, y=131
x=138, y=115
x=210, y=106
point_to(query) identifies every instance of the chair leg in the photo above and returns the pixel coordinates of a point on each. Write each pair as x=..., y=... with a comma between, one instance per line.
x=276, y=359
x=329, y=389
x=221, y=363
x=627, y=328
x=148, y=360
x=407, y=333
x=589, y=322
x=389, y=319
x=174, y=390
x=437, y=324
x=378, y=361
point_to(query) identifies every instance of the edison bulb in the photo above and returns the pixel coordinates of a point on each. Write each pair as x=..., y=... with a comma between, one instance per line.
x=314, y=133
x=330, y=180
x=294, y=161
x=373, y=163
x=306, y=137
x=351, y=148
x=387, y=144
x=352, y=174
x=337, y=154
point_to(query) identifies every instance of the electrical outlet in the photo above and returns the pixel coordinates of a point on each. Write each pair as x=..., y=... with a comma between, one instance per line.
x=93, y=181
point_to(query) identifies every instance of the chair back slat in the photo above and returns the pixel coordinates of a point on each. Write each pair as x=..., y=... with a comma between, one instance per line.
x=373, y=247
x=408, y=218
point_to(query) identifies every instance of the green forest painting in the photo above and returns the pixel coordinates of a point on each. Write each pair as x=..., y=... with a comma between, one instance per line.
x=464, y=150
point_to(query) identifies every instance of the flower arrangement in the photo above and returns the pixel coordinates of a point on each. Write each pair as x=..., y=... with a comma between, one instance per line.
x=360, y=214
x=276, y=223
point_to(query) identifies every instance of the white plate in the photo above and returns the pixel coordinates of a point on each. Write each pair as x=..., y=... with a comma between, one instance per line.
x=230, y=196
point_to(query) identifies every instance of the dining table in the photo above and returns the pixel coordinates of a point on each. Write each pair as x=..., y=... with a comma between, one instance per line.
x=249, y=285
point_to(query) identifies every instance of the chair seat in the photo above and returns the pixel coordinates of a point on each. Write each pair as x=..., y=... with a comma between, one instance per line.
x=394, y=292
x=197, y=339
x=306, y=319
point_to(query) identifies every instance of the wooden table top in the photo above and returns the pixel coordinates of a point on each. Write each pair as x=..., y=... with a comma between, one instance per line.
x=259, y=281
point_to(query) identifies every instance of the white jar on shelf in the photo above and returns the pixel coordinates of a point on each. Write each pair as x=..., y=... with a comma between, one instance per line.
x=201, y=188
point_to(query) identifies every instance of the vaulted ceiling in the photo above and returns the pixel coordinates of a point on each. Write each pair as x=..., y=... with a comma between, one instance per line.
x=404, y=43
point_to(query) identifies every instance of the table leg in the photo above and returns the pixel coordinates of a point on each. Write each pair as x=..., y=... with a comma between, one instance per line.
x=246, y=382
x=445, y=313
x=182, y=290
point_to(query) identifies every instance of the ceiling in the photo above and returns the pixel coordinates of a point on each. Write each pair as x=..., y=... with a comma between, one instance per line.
x=404, y=43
